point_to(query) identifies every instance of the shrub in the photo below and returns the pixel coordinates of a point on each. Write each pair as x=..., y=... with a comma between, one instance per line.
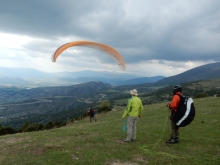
x=35, y=127
x=105, y=106
x=8, y=130
x=200, y=95
x=25, y=126
x=49, y=125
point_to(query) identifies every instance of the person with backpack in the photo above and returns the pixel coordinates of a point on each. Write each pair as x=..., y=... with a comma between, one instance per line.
x=133, y=111
x=91, y=113
x=173, y=105
x=182, y=113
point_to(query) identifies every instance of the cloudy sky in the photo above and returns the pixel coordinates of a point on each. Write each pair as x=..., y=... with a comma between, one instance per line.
x=154, y=37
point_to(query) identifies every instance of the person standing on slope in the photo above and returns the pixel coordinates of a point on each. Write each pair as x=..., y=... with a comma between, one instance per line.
x=133, y=111
x=92, y=114
x=173, y=106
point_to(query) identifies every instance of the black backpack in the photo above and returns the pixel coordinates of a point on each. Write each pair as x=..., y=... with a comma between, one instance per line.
x=91, y=112
x=185, y=112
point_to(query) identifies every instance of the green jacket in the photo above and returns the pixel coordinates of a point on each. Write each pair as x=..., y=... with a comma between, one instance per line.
x=134, y=107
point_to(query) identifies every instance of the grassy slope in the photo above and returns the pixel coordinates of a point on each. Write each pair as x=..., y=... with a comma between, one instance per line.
x=100, y=142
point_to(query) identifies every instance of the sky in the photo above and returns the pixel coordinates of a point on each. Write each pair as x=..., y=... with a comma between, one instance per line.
x=153, y=37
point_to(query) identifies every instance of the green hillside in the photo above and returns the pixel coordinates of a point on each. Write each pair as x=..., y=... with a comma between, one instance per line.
x=55, y=104
x=100, y=143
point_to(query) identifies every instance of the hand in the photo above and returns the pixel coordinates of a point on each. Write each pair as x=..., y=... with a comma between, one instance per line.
x=167, y=104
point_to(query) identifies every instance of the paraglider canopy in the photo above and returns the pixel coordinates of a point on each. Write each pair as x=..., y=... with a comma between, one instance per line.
x=105, y=48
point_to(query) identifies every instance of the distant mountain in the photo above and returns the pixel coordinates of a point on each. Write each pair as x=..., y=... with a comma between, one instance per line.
x=106, y=77
x=12, y=81
x=93, y=74
x=204, y=72
x=112, y=81
x=142, y=80
x=26, y=77
x=23, y=73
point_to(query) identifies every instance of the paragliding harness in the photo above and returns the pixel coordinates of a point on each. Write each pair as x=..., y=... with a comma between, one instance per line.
x=185, y=112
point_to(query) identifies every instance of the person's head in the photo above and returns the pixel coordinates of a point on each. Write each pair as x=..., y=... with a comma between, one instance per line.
x=133, y=92
x=177, y=88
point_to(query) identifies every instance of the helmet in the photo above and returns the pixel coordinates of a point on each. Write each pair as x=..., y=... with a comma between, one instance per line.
x=177, y=88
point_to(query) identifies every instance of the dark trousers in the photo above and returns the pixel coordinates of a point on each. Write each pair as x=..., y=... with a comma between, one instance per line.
x=92, y=118
x=174, y=127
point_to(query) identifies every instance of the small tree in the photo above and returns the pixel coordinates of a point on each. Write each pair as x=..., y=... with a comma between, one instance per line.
x=1, y=130
x=35, y=127
x=25, y=126
x=49, y=125
x=105, y=106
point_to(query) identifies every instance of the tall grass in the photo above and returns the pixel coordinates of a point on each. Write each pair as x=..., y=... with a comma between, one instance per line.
x=100, y=143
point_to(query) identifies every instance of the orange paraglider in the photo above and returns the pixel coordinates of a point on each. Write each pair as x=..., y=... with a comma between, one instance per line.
x=109, y=50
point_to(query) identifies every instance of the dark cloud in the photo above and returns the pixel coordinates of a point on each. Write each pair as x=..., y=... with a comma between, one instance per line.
x=140, y=30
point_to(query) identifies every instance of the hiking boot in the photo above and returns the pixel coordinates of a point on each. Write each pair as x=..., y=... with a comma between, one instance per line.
x=177, y=139
x=172, y=140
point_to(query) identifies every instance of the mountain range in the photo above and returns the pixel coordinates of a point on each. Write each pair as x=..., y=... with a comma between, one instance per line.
x=27, y=77
x=35, y=78
x=204, y=72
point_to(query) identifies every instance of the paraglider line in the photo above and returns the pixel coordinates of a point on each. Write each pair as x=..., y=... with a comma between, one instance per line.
x=150, y=151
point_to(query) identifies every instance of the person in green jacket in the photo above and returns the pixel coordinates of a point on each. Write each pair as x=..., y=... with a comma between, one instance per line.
x=134, y=111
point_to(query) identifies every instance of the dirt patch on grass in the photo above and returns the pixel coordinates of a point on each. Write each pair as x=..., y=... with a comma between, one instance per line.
x=74, y=157
x=139, y=159
x=121, y=163
x=2, y=158
x=78, y=148
x=38, y=151
x=52, y=146
x=14, y=140
x=120, y=142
